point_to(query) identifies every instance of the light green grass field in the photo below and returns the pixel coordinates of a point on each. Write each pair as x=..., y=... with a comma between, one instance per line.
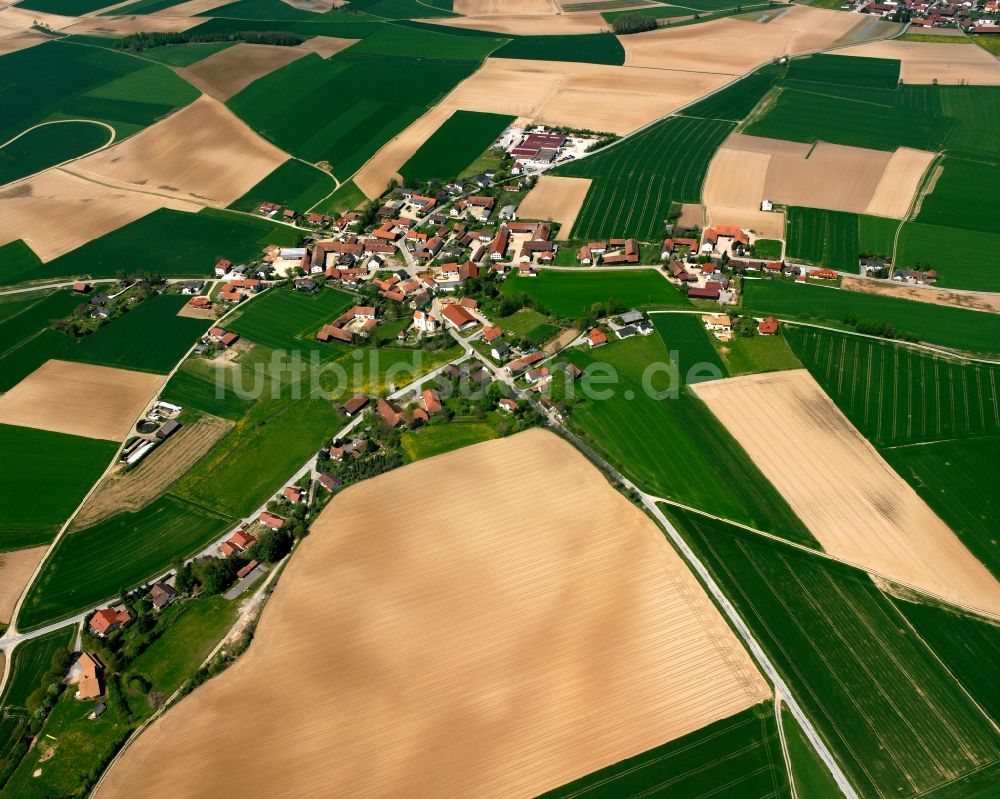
x=744, y=356
x=294, y=184
x=436, y=439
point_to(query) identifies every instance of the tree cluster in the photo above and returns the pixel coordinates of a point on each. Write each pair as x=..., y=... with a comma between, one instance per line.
x=633, y=23
x=137, y=42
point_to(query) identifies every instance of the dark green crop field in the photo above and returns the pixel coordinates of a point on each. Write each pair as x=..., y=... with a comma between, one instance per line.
x=353, y=121
x=403, y=41
x=635, y=181
x=283, y=319
x=737, y=100
x=736, y=758
x=825, y=238
x=962, y=258
x=69, y=8
x=400, y=9
x=294, y=184
x=974, y=331
x=54, y=471
x=589, y=48
x=900, y=395
x=876, y=73
x=17, y=260
x=269, y=10
x=184, y=55
x=571, y=294
x=198, y=384
x=94, y=564
x=868, y=683
x=49, y=145
x=685, y=335
x=33, y=317
x=31, y=660
x=454, y=145
x=966, y=196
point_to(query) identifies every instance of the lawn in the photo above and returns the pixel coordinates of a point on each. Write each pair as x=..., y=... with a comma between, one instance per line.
x=93, y=565
x=31, y=660
x=453, y=146
x=867, y=683
x=811, y=776
x=825, y=238
x=768, y=249
x=670, y=444
x=295, y=184
x=690, y=346
x=636, y=180
x=49, y=145
x=745, y=356
x=352, y=122
x=571, y=294
x=522, y=322
x=736, y=101
x=54, y=471
x=960, y=328
x=735, y=758
x=437, y=439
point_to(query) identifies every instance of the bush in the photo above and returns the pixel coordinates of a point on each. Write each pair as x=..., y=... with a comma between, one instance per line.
x=633, y=23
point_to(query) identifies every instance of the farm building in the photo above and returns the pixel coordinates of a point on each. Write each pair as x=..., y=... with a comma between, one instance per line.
x=88, y=672
x=107, y=620
x=596, y=338
x=355, y=405
x=768, y=326
x=458, y=317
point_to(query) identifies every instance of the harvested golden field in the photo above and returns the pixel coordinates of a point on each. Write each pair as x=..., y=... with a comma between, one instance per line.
x=764, y=224
x=122, y=26
x=191, y=8
x=692, y=215
x=231, y=70
x=203, y=153
x=748, y=169
x=976, y=301
x=934, y=62
x=473, y=7
x=858, y=508
x=17, y=34
x=326, y=46
x=521, y=628
x=80, y=399
x=555, y=199
x=575, y=95
x=734, y=46
x=55, y=212
x=14, y=19
x=384, y=166
x=16, y=569
x=132, y=490
x=528, y=24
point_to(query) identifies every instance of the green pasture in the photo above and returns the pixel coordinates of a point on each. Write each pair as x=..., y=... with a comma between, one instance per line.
x=690, y=346
x=295, y=184
x=348, y=197
x=962, y=258
x=636, y=180
x=867, y=682
x=735, y=758
x=31, y=660
x=94, y=564
x=454, y=145
x=285, y=319
x=572, y=294
x=965, y=196
x=198, y=384
x=49, y=145
x=434, y=440
x=522, y=322
x=745, y=356
x=44, y=477
x=17, y=260
x=960, y=328
x=669, y=443
x=768, y=249
x=876, y=235
x=34, y=316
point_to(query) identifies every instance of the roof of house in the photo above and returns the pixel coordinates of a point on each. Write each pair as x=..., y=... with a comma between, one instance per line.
x=106, y=618
x=292, y=493
x=491, y=333
x=768, y=326
x=355, y=404
x=271, y=520
x=388, y=412
x=431, y=400
x=596, y=336
x=524, y=362
x=458, y=315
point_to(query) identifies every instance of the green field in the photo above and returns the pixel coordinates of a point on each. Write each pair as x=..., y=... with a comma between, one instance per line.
x=571, y=294
x=636, y=180
x=950, y=476
x=151, y=7
x=59, y=80
x=876, y=235
x=31, y=660
x=965, y=196
x=355, y=121
x=44, y=477
x=266, y=10
x=34, y=316
x=744, y=356
x=346, y=198
x=768, y=249
x=867, y=683
x=737, y=100
x=294, y=184
x=876, y=73
x=400, y=9
x=685, y=335
x=17, y=259
x=285, y=319
x=673, y=446
x=825, y=238
x=454, y=145
x=811, y=776
x=963, y=259
x=736, y=758
x=69, y=8
x=530, y=325
x=49, y=145
x=900, y=395
x=974, y=331
x=194, y=386
x=93, y=565
x=437, y=439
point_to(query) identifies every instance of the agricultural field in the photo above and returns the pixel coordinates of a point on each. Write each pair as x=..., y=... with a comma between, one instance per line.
x=18, y=259
x=744, y=356
x=32, y=316
x=294, y=184
x=59, y=468
x=685, y=335
x=964, y=196
x=735, y=102
x=49, y=145
x=677, y=666
x=868, y=683
x=356, y=123
x=529, y=324
x=32, y=659
x=826, y=238
x=589, y=48
x=959, y=328
x=672, y=446
x=453, y=146
x=667, y=163
x=196, y=385
x=69, y=8
x=283, y=319
x=873, y=73
x=571, y=294
x=400, y=9
x=735, y=758
x=93, y=565
x=437, y=439
x=180, y=55
x=346, y=198
x=809, y=774
x=956, y=254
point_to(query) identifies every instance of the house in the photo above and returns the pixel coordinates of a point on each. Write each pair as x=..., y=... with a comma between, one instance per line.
x=329, y=481
x=500, y=350
x=627, y=332
x=508, y=405
x=626, y=252
x=458, y=317
x=585, y=256
x=469, y=303
x=227, y=295
x=823, y=274
x=293, y=494
x=630, y=317
x=491, y=333
x=90, y=672
x=671, y=245
x=573, y=372
x=269, y=519
x=712, y=235
x=229, y=338
x=389, y=413
x=717, y=321
x=768, y=326
x=425, y=322
x=539, y=375
x=306, y=284
x=80, y=287
x=508, y=213
x=710, y=291
x=200, y=303
x=522, y=363
x=596, y=338
x=222, y=266
x=355, y=405
x=106, y=621
x=498, y=247
x=334, y=332
x=430, y=400
x=161, y=595
x=192, y=287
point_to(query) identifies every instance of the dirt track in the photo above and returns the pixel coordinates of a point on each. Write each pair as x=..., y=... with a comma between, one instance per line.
x=975, y=302
x=843, y=490
x=80, y=399
x=498, y=638
x=555, y=199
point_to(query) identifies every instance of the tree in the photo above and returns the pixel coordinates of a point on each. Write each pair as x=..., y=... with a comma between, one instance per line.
x=633, y=23
x=272, y=546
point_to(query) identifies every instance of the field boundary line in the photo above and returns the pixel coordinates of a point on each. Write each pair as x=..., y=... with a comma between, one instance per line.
x=784, y=746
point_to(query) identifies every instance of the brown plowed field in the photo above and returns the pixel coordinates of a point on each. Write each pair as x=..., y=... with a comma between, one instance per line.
x=526, y=24
x=80, y=399
x=16, y=569
x=555, y=199
x=327, y=46
x=229, y=71
x=122, y=26
x=959, y=299
x=517, y=629
x=473, y=7
x=134, y=489
x=935, y=62
x=204, y=153
x=858, y=508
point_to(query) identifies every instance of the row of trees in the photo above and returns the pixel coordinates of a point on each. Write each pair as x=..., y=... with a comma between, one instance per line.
x=137, y=42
